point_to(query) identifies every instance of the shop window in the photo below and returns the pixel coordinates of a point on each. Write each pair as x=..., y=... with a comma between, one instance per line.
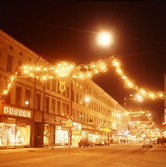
x=47, y=132
x=10, y=131
x=18, y=95
x=9, y=63
x=3, y=139
x=22, y=136
x=61, y=137
x=13, y=134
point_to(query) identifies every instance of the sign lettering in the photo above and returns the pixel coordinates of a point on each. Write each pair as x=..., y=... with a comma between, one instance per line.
x=17, y=112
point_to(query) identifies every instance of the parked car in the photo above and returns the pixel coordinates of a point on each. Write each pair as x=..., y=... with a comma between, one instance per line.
x=99, y=142
x=85, y=142
x=147, y=143
x=154, y=141
x=106, y=142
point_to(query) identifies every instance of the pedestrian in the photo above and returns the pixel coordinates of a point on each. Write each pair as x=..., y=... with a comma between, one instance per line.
x=158, y=141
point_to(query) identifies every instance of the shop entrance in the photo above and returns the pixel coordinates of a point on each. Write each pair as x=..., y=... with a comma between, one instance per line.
x=38, y=135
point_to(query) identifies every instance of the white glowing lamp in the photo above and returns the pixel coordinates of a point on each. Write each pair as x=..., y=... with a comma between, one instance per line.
x=104, y=39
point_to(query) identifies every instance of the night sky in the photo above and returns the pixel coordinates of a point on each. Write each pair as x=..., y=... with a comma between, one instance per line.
x=67, y=30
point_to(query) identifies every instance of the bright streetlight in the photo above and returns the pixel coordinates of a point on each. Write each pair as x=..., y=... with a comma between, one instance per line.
x=104, y=39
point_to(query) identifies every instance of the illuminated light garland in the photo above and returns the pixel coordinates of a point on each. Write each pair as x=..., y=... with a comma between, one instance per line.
x=129, y=84
x=64, y=69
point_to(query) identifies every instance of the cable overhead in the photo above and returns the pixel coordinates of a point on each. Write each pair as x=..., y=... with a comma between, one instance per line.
x=77, y=29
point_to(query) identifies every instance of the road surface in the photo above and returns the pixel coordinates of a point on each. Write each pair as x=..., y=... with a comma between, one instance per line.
x=115, y=155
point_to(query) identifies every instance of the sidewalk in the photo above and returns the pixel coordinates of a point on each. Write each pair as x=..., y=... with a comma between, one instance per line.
x=33, y=149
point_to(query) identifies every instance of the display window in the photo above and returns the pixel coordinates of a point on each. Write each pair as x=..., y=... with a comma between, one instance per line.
x=22, y=135
x=10, y=134
x=47, y=132
x=61, y=137
x=3, y=140
x=13, y=135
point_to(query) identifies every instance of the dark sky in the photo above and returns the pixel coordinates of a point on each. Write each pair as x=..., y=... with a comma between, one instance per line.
x=67, y=30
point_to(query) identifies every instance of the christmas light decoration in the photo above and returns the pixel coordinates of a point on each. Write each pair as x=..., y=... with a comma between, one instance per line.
x=66, y=69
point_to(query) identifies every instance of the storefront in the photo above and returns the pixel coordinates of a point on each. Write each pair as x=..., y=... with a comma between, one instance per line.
x=49, y=129
x=61, y=131
x=48, y=138
x=15, y=127
x=76, y=133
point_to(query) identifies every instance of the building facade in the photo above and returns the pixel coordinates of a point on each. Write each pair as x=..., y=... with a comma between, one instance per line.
x=36, y=113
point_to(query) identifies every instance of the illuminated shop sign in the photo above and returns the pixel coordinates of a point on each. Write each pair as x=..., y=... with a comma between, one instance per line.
x=17, y=112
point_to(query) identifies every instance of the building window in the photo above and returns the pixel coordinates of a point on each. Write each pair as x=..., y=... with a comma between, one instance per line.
x=11, y=47
x=7, y=98
x=83, y=117
x=9, y=63
x=38, y=99
x=19, y=63
x=54, y=85
x=58, y=107
x=27, y=97
x=46, y=104
x=67, y=91
x=73, y=96
x=67, y=109
x=80, y=117
x=47, y=84
x=18, y=95
x=53, y=106
x=76, y=97
x=81, y=99
x=58, y=88
x=76, y=115
x=64, y=109
x=73, y=114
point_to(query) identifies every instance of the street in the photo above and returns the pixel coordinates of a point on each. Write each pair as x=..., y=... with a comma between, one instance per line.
x=115, y=155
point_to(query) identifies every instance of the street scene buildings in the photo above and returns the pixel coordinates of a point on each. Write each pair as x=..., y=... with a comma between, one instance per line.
x=56, y=111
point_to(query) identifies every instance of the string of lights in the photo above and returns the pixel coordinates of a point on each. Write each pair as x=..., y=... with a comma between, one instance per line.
x=83, y=71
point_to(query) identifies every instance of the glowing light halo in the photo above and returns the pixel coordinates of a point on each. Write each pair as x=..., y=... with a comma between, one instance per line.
x=64, y=69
